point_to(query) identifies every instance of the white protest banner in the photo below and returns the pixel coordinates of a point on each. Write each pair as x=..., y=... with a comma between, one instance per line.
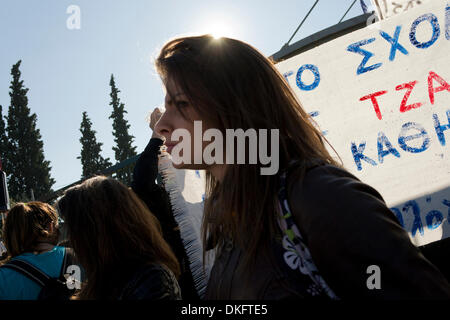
x=388, y=8
x=381, y=96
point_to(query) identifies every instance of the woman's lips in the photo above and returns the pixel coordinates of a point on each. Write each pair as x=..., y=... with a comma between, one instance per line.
x=169, y=147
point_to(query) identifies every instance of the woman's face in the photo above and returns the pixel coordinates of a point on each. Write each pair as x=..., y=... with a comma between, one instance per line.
x=180, y=114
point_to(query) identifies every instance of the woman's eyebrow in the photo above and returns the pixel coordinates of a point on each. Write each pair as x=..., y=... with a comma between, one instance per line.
x=172, y=98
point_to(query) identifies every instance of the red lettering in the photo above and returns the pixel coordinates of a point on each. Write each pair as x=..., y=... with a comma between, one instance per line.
x=373, y=98
x=431, y=90
x=409, y=88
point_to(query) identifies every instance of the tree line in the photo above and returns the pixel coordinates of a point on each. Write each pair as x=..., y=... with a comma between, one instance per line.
x=22, y=147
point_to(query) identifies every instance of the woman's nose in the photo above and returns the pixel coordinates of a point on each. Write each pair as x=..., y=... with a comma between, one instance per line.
x=162, y=127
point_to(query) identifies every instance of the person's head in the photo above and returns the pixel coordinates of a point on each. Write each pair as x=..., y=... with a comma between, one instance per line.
x=228, y=84
x=29, y=224
x=110, y=228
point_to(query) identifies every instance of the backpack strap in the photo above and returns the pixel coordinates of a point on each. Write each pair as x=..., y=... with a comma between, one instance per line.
x=28, y=270
x=35, y=274
x=294, y=244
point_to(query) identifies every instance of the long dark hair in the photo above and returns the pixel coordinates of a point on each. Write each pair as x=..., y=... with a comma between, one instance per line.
x=232, y=85
x=110, y=229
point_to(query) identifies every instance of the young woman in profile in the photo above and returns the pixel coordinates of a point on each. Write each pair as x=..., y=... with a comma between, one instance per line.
x=310, y=230
x=118, y=242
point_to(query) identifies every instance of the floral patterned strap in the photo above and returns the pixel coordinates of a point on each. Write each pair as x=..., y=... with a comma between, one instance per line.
x=297, y=255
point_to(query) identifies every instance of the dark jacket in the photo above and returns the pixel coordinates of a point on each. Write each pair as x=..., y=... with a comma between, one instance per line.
x=157, y=200
x=151, y=282
x=347, y=228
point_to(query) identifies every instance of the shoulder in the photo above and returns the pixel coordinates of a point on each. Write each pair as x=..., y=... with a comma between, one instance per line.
x=60, y=252
x=152, y=282
x=331, y=200
x=16, y=286
x=348, y=227
x=48, y=262
x=49, y=257
x=61, y=248
x=327, y=185
x=323, y=179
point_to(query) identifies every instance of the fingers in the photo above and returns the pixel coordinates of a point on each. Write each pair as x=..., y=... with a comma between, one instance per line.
x=156, y=114
x=156, y=111
x=154, y=117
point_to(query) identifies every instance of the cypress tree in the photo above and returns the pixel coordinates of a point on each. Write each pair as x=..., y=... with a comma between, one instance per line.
x=3, y=136
x=91, y=159
x=25, y=162
x=123, y=149
x=3, y=142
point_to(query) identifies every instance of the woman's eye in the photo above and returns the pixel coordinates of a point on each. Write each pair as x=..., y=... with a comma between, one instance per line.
x=181, y=104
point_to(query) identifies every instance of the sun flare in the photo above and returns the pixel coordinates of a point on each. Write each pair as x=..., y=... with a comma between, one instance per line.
x=218, y=27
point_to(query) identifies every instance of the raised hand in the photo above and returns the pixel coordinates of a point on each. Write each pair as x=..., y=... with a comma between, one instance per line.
x=154, y=118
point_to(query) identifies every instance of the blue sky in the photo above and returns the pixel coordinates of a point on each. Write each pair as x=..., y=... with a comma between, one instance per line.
x=68, y=71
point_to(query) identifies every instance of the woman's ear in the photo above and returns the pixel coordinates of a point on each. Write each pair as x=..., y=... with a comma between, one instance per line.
x=54, y=232
x=51, y=228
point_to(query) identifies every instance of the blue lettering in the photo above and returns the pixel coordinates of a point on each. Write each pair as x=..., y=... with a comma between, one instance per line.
x=315, y=114
x=384, y=141
x=399, y=216
x=288, y=74
x=441, y=128
x=447, y=203
x=394, y=43
x=434, y=219
x=433, y=20
x=358, y=155
x=316, y=74
x=447, y=21
x=403, y=138
x=355, y=47
x=417, y=223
